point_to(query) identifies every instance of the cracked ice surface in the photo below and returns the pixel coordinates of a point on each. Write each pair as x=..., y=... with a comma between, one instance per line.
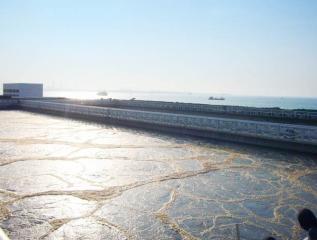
x=67, y=179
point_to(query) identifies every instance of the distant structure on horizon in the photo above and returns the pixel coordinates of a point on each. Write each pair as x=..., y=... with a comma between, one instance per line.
x=23, y=90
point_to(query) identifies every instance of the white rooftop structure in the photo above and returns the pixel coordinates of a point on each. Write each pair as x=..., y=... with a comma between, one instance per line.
x=23, y=90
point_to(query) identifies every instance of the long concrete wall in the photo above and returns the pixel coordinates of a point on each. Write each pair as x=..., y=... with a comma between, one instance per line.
x=287, y=133
x=222, y=109
x=8, y=103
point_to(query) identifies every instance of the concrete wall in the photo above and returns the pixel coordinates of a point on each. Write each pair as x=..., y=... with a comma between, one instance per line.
x=262, y=130
x=8, y=103
x=223, y=109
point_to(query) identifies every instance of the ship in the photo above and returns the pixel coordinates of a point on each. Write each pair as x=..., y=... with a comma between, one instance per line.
x=216, y=98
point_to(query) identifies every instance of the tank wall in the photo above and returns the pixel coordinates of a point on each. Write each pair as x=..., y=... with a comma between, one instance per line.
x=265, y=130
x=236, y=110
x=7, y=103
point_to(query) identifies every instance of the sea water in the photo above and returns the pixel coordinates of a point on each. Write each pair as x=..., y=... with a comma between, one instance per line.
x=250, y=101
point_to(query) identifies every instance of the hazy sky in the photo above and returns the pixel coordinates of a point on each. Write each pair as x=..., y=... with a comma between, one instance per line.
x=253, y=47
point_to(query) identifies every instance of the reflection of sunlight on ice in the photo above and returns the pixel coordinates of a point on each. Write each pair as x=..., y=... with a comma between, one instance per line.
x=143, y=185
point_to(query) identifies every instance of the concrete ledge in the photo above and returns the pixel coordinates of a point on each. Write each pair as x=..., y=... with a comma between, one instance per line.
x=223, y=136
x=277, y=113
x=8, y=103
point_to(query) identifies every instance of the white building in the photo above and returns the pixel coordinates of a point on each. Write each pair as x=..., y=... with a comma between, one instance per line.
x=23, y=90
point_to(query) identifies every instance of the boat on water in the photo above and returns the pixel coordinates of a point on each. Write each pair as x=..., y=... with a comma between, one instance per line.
x=216, y=98
x=102, y=93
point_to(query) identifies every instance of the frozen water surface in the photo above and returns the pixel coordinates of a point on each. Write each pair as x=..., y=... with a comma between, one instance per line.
x=67, y=179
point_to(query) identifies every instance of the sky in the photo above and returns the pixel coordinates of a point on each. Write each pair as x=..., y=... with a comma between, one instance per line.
x=242, y=47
